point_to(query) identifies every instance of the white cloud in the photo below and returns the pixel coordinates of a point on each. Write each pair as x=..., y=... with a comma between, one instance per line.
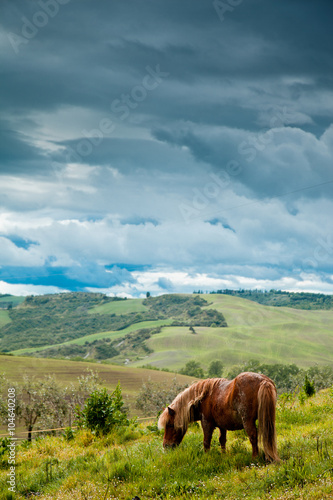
x=187, y=282
x=24, y=290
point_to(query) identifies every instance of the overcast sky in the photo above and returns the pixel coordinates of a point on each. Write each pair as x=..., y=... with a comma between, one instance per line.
x=166, y=145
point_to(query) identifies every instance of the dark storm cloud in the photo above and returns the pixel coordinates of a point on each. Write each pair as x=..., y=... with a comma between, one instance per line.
x=241, y=112
x=89, y=54
x=276, y=161
x=17, y=154
x=124, y=154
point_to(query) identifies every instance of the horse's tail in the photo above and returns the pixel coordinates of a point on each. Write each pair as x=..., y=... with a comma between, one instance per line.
x=266, y=419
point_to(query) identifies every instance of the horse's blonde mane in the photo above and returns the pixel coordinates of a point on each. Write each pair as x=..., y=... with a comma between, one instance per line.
x=183, y=403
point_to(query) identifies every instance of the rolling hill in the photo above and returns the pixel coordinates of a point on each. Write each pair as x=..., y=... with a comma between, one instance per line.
x=56, y=319
x=167, y=331
x=269, y=334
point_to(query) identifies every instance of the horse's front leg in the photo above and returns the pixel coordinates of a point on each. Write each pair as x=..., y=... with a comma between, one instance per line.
x=208, y=429
x=223, y=438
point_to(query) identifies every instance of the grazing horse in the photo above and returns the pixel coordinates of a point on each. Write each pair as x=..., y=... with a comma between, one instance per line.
x=229, y=405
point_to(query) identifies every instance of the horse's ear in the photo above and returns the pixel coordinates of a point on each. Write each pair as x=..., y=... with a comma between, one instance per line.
x=172, y=412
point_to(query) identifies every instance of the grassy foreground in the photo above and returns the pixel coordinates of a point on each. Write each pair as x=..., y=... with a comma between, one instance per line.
x=132, y=462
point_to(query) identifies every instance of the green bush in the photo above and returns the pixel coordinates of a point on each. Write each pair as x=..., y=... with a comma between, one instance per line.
x=192, y=369
x=215, y=369
x=103, y=411
x=309, y=387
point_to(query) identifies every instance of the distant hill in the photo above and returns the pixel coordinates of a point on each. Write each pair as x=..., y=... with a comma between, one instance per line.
x=55, y=319
x=168, y=331
x=8, y=301
x=278, y=298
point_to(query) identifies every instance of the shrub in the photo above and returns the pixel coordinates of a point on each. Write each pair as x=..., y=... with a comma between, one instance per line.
x=103, y=411
x=308, y=387
x=68, y=434
x=215, y=369
x=192, y=369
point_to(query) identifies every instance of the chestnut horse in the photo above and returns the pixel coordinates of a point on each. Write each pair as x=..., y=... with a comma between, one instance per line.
x=229, y=405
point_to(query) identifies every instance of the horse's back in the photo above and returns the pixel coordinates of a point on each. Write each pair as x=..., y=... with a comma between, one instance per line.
x=250, y=381
x=245, y=390
x=237, y=399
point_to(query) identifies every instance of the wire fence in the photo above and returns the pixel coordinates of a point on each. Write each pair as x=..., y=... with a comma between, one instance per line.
x=57, y=429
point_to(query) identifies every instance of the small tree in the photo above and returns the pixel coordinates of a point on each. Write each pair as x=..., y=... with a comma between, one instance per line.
x=193, y=369
x=103, y=411
x=215, y=369
x=309, y=387
x=54, y=403
x=76, y=396
x=30, y=403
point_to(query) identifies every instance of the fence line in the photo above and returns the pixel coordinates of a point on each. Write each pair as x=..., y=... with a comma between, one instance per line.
x=62, y=428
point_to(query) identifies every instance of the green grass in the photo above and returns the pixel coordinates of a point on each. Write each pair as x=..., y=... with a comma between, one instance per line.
x=4, y=317
x=97, y=336
x=131, y=462
x=54, y=319
x=120, y=307
x=269, y=334
x=12, y=299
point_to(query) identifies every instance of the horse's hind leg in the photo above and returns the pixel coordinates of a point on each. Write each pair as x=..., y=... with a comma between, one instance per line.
x=251, y=430
x=223, y=438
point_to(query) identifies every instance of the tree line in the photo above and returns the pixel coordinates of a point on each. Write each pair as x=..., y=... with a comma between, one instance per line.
x=279, y=298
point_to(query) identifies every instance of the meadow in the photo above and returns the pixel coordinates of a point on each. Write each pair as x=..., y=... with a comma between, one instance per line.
x=269, y=334
x=4, y=317
x=131, y=462
x=113, y=335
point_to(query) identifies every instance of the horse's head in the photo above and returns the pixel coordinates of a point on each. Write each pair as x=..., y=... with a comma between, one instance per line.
x=173, y=435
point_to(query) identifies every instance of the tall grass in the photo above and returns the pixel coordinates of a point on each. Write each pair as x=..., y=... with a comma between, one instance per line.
x=131, y=462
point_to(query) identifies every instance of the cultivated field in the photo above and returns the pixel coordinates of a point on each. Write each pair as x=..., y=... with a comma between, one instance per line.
x=131, y=379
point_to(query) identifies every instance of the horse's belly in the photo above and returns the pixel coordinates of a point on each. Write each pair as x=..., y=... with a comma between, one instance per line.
x=233, y=426
x=231, y=421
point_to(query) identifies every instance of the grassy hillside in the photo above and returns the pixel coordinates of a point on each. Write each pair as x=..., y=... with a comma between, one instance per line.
x=131, y=379
x=254, y=331
x=7, y=300
x=55, y=319
x=4, y=318
x=278, y=298
x=270, y=334
x=112, y=335
x=131, y=462
x=119, y=307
